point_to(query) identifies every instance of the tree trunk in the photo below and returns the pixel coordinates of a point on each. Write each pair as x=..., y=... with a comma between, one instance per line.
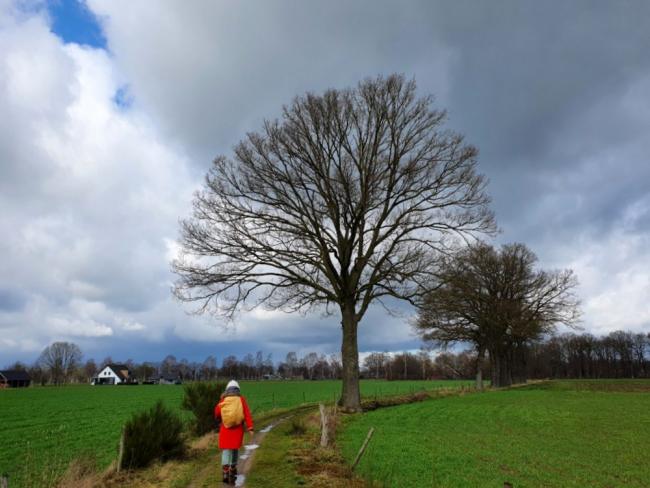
x=501, y=374
x=479, y=369
x=350, y=397
x=519, y=363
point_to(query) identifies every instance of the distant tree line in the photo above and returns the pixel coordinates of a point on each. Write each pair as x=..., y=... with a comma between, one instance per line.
x=419, y=366
x=619, y=354
x=62, y=363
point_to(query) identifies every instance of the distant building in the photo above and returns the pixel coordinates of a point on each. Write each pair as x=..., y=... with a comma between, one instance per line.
x=113, y=374
x=14, y=378
x=163, y=379
x=273, y=377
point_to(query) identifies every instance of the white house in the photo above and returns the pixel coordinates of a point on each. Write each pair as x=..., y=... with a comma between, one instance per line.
x=112, y=374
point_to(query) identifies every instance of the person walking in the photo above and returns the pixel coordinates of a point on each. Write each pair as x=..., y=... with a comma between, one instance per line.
x=232, y=415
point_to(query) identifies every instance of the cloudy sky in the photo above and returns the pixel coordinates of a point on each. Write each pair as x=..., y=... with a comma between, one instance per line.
x=111, y=112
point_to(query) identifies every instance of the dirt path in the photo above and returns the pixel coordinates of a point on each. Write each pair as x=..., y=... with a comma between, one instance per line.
x=245, y=458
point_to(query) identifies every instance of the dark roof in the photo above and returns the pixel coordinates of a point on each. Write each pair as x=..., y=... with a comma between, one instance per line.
x=117, y=369
x=16, y=375
x=167, y=377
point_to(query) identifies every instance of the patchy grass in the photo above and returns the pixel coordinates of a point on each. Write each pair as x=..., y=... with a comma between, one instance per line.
x=551, y=434
x=272, y=465
x=290, y=456
x=199, y=469
x=607, y=385
x=44, y=429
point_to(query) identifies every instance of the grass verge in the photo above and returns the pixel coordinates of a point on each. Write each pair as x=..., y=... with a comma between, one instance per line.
x=292, y=457
x=36, y=449
x=550, y=434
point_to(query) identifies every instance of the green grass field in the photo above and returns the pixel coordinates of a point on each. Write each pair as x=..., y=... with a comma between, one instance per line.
x=44, y=428
x=562, y=433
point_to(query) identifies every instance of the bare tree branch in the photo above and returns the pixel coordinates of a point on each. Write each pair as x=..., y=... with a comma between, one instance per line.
x=351, y=196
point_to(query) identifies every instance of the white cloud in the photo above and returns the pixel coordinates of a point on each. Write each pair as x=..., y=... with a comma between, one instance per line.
x=91, y=194
x=78, y=328
x=131, y=325
x=614, y=282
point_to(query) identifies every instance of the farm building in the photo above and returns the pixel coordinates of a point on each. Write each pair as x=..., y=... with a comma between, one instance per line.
x=164, y=379
x=113, y=374
x=14, y=378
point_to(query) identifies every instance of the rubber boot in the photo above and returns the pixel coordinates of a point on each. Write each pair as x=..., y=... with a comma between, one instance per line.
x=233, y=474
x=225, y=469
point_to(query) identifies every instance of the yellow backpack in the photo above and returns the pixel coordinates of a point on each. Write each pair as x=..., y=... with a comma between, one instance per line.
x=232, y=411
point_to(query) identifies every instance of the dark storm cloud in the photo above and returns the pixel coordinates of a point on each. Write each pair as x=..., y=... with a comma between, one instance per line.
x=210, y=84
x=525, y=69
x=538, y=87
x=11, y=300
x=520, y=79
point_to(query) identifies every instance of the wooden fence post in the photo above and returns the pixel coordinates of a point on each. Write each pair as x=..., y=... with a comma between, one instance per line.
x=324, y=425
x=363, y=448
x=4, y=481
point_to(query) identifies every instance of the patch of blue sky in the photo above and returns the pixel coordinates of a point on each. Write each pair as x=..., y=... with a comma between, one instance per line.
x=73, y=22
x=123, y=98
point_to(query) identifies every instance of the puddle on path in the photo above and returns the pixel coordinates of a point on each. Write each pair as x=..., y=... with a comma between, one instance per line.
x=270, y=426
x=247, y=451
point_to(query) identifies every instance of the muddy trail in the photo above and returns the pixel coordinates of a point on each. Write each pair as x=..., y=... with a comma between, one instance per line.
x=246, y=457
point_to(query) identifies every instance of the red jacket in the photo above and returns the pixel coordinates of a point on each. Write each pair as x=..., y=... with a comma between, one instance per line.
x=231, y=438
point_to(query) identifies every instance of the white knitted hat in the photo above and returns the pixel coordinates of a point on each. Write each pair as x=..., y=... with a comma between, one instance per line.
x=232, y=384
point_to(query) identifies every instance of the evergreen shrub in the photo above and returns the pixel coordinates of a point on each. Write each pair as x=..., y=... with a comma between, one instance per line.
x=154, y=434
x=200, y=398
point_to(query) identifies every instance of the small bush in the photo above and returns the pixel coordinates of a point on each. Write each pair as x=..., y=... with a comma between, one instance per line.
x=156, y=433
x=200, y=398
x=298, y=426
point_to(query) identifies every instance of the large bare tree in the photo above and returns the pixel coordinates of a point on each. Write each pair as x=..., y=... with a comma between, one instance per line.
x=346, y=200
x=496, y=300
x=60, y=359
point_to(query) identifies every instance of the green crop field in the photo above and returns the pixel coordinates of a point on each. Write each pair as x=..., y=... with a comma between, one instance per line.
x=561, y=433
x=44, y=428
